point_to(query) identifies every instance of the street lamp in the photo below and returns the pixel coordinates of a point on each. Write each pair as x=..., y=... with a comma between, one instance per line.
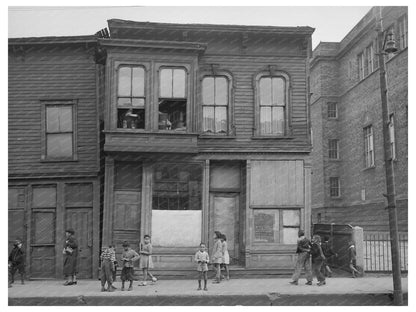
x=387, y=45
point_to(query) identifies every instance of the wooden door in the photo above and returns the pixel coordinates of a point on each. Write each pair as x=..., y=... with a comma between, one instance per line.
x=80, y=219
x=225, y=218
x=16, y=216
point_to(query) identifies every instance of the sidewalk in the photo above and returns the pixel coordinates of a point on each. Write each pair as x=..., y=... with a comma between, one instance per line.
x=338, y=291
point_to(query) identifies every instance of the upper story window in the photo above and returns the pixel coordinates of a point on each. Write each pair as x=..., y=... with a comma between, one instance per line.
x=403, y=32
x=361, y=66
x=215, y=104
x=272, y=103
x=334, y=187
x=392, y=137
x=131, y=97
x=172, y=99
x=369, y=52
x=333, y=149
x=59, y=131
x=367, y=62
x=369, y=147
x=332, y=110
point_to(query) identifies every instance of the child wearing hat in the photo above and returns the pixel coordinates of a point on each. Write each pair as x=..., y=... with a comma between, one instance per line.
x=17, y=262
x=108, y=257
x=128, y=257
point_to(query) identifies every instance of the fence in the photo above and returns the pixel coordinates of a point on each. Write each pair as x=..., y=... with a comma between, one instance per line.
x=377, y=252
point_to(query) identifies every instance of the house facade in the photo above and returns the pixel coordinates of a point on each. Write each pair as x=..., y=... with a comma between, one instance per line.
x=207, y=128
x=348, y=178
x=53, y=151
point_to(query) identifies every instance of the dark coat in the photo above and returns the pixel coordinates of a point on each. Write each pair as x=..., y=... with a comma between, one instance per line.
x=17, y=258
x=316, y=252
x=70, y=259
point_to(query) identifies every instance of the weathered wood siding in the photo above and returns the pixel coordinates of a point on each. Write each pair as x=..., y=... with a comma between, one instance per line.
x=51, y=73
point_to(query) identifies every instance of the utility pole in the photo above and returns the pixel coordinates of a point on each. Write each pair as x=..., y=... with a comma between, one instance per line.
x=388, y=160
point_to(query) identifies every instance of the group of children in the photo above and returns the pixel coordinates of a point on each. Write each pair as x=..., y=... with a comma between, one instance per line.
x=128, y=258
x=319, y=252
x=220, y=259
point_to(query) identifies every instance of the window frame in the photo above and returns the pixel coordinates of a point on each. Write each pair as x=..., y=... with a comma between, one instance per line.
x=44, y=153
x=403, y=33
x=361, y=66
x=367, y=148
x=287, y=107
x=328, y=110
x=337, y=187
x=230, y=106
x=336, y=141
x=158, y=66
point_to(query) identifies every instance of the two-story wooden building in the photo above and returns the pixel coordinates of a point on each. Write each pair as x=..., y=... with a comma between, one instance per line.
x=207, y=128
x=53, y=151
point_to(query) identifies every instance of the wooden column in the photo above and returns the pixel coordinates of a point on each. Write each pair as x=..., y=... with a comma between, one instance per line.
x=146, y=209
x=108, y=201
x=308, y=212
x=95, y=228
x=249, y=214
x=205, y=203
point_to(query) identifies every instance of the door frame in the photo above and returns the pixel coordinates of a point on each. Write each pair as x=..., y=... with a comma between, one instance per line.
x=237, y=225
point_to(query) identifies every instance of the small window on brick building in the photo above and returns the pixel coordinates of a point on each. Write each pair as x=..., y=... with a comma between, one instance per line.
x=332, y=110
x=361, y=66
x=369, y=53
x=392, y=137
x=369, y=147
x=334, y=187
x=333, y=149
x=403, y=32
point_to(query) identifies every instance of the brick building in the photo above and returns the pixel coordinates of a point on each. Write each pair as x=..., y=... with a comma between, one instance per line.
x=348, y=178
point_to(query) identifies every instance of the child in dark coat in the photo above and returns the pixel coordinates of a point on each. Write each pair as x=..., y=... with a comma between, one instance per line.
x=17, y=262
x=128, y=257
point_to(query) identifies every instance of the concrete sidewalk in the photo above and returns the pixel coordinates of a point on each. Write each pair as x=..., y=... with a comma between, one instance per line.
x=337, y=291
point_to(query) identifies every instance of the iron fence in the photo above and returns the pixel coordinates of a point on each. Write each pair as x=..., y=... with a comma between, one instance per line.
x=377, y=252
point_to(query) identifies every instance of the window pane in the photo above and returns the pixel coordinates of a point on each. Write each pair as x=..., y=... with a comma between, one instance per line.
x=44, y=197
x=179, y=83
x=278, y=89
x=124, y=101
x=138, y=81
x=221, y=119
x=208, y=116
x=291, y=218
x=166, y=83
x=265, y=91
x=124, y=81
x=43, y=227
x=221, y=91
x=65, y=118
x=52, y=119
x=290, y=235
x=265, y=120
x=138, y=103
x=278, y=121
x=59, y=145
x=208, y=90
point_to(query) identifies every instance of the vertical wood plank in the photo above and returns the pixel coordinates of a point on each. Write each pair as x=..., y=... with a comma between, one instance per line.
x=307, y=177
x=108, y=201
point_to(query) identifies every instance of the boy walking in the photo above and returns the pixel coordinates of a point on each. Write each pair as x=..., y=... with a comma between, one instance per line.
x=202, y=258
x=303, y=261
x=317, y=259
x=128, y=257
x=353, y=259
x=17, y=262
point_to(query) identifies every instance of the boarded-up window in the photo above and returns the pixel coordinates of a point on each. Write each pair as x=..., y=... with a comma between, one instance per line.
x=59, y=131
x=78, y=194
x=225, y=176
x=128, y=176
x=44, y=197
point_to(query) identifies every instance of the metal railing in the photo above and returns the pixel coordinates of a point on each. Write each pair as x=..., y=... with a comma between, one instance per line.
x=377, y=252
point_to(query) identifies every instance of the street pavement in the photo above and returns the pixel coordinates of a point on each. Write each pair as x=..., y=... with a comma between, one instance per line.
x=373, y=290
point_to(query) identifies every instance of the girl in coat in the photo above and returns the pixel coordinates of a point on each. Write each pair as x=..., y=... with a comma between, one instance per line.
x=217, y=257
x=226, y=256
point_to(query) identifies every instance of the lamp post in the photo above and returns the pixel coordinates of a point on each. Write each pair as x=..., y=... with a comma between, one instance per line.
x=387, y=45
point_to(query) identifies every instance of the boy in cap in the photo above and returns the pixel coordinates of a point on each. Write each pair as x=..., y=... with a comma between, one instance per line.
x=17, y=261
x=128, y=257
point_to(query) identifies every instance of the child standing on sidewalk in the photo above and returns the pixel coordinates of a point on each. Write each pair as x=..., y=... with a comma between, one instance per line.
x=17, y=262
x=303, y=260
x=108, y=256
x=146, y=262
x=226, y=256
x=352, y=259
x=127, y=259
x=202, y=258
x=217, y=257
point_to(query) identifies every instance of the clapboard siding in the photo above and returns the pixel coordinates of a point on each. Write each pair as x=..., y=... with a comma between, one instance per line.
x=243, y=70
x=51, y=73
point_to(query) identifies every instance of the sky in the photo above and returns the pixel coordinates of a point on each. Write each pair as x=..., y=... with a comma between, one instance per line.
x=331, y=23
